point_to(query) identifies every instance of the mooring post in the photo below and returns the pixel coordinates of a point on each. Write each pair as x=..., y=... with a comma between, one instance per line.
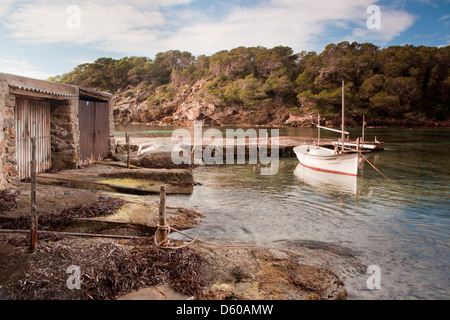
x=363, y=129
x=162, y=216
x=34, y=220
x=127, y=139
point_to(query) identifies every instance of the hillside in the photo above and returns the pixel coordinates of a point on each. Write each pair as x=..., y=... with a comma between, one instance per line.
x=395, y=86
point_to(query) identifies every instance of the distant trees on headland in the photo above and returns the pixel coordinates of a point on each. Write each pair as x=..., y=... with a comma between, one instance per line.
x=399, y=81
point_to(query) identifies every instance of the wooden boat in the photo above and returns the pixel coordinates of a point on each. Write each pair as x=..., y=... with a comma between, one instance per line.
x=337, y=161
x=328, y=160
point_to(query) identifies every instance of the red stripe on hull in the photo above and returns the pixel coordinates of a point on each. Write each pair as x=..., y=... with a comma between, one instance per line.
x=329, y=171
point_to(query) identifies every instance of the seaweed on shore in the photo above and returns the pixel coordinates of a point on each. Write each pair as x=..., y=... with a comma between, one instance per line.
x=107, y=270
x=8, y=199
x=63, y=218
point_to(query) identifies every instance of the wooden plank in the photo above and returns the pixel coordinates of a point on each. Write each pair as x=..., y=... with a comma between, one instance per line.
x=101, y=130
x=85, y=128
x=94, y=130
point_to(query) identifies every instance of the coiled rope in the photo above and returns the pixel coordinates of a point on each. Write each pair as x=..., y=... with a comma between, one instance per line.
x=165, y=242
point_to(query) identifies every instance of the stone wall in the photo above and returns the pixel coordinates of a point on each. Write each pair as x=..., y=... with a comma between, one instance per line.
x=8, y=172
x=65, y=133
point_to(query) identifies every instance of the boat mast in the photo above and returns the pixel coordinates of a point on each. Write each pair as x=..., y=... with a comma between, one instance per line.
x=318, y=129
x=343, y=108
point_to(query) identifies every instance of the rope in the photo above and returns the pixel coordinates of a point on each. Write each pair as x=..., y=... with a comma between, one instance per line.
x=369, y=163
x=373, y=166
x=164, y=243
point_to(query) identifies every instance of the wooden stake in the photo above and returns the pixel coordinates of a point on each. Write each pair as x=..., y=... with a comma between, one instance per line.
x=127, y=139
x=162, y=216
x=343, y=116
x=363, y=129
x=34, y=219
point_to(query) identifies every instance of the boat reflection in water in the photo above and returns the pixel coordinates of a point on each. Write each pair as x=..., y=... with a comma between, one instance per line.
x=326, y=181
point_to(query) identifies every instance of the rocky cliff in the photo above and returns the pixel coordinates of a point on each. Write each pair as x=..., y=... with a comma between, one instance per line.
x=193, y=102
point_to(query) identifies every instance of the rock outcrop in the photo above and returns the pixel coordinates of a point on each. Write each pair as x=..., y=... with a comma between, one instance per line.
x=192, y=103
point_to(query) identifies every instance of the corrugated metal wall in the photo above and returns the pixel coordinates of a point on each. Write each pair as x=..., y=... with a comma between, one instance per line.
x=32, y=120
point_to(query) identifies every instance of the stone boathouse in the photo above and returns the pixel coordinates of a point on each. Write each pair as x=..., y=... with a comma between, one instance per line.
x=72, y=126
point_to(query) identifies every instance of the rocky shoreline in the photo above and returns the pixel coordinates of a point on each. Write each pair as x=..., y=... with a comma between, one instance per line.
x=131, y=267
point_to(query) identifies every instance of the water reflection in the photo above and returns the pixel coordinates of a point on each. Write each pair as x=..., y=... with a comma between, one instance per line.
x=325, y=181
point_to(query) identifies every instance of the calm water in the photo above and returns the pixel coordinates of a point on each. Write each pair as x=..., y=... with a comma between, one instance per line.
x=401, y=226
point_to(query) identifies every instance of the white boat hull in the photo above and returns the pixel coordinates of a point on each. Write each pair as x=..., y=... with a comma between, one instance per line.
x=323, y=159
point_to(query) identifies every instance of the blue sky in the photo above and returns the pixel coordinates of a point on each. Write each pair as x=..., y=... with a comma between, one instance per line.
x=43, y=38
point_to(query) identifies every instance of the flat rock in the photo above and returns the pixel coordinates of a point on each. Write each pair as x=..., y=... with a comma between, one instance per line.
x=255, y=273
x=161, y=292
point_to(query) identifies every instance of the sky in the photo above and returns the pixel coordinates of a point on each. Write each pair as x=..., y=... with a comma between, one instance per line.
x=44, y=38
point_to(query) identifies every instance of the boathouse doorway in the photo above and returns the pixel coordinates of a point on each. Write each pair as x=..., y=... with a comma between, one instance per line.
x=94, y=129
x=32, y=120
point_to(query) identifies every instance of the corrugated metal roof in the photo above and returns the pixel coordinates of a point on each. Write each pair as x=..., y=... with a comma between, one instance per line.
x=53, y=93
x=40, y=86
x=95, y=94
x=51, y=88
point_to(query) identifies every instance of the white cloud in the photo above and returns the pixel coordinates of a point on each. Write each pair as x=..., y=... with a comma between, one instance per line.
x=393, y=23
x=145, y=3
x=5, y=7
x=22, y=67
x=100, y=25
x=296, y=23
x=139, y=27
